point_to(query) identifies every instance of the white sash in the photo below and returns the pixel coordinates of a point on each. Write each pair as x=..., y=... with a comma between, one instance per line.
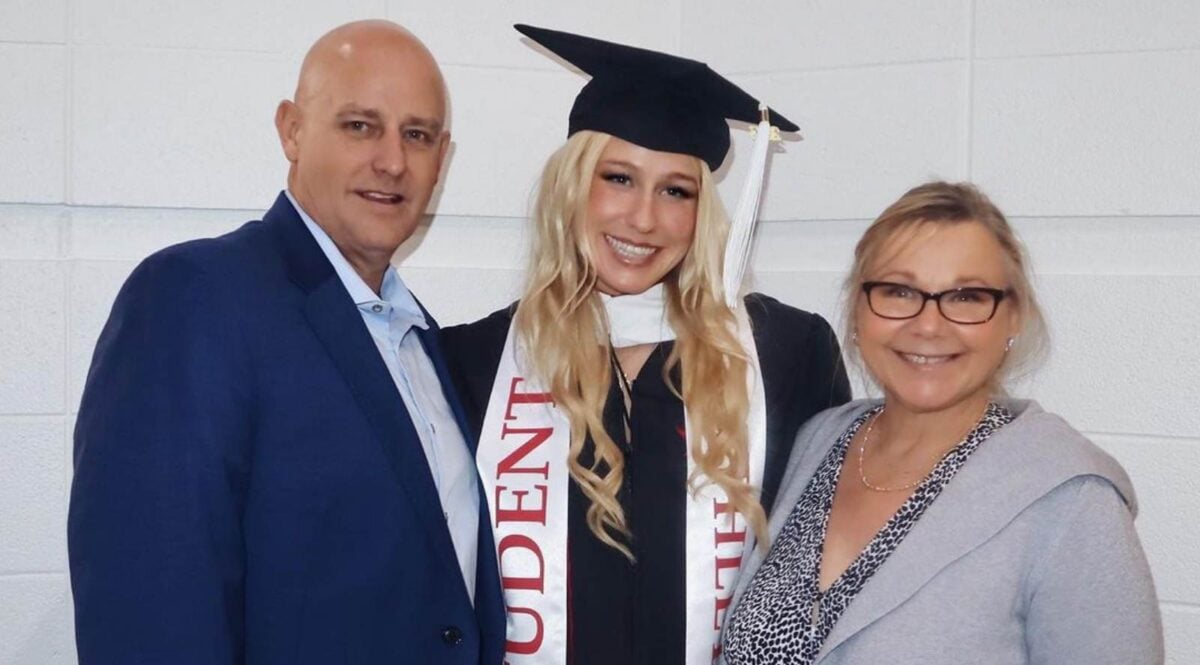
x=522, y=459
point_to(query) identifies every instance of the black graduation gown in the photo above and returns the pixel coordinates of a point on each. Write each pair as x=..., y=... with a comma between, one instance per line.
x=623, y=612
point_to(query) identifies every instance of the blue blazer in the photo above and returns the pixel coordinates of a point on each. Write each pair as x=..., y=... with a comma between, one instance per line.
x=248, y=485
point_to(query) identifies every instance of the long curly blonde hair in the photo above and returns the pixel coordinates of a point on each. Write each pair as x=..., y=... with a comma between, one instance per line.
x=562, y=319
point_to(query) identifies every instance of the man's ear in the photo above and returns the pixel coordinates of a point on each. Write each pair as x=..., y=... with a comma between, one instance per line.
x=287, y=124
x=443, y=150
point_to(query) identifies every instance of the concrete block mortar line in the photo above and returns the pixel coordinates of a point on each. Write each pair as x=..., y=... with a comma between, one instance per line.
x=798, y=271
x=72, y=223
x=33, y=574
x=860, y=66
x=1122, y=437
x=1103, y=218
x=53, y=207
x=267, y=54
x=33, y=416
x=1187, y=608
x=681, y=15
x=969, y=103
x=802, y=220
x=69, y=106
x=1040, y=273
x=1074, y=54
x=28, y=42
x=68, y=277
x=73, y=261
x=64, y=231
x=35, y=260
x=68, y=422
x=68, y=244
x=451, y=63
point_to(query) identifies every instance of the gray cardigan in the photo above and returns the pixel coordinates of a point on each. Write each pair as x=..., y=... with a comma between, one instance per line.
x=1029, y=555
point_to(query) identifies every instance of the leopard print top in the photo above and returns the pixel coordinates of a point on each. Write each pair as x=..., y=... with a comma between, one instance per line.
x=783, y=616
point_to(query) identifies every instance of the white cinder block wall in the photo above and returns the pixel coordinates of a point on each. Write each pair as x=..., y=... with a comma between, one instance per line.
x=127, y=125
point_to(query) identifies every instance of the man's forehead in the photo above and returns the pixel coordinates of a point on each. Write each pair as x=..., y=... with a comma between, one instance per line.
x=388, y=93
x=358, y=109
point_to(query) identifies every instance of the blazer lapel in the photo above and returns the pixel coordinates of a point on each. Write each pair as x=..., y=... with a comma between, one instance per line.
x=1013, y=468
x=338, y=324
x=489, y=604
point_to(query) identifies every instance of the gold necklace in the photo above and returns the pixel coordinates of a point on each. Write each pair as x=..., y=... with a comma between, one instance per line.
x=862, y=453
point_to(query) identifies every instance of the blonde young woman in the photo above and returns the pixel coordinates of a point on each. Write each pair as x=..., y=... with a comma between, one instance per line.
x=633, y=423
x=946, y=523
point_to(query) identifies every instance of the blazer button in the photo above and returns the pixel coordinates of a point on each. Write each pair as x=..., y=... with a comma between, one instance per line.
x=452, y=636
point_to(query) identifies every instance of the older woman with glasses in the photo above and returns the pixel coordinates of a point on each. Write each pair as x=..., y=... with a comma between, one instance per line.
x=946, y=523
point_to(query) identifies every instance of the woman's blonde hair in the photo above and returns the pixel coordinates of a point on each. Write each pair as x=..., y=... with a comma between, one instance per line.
x=942, y=203
x=562, y=319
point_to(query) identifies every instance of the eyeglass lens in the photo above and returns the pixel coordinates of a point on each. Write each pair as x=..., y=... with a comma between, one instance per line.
x=966, y=305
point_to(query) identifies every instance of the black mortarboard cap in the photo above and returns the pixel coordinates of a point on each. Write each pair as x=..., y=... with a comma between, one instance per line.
x=655, y=100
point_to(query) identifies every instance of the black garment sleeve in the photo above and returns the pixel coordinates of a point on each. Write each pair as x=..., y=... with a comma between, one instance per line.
x=803, y=374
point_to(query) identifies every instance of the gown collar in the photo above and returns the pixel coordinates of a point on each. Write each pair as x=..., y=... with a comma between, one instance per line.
x=639, y=318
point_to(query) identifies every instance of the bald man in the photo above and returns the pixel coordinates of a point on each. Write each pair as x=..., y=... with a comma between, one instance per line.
x=269, y=465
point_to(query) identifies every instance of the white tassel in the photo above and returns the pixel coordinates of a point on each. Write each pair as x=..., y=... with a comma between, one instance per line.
x=741, y=227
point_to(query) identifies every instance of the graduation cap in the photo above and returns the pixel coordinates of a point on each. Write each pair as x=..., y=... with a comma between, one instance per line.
x=670, y=104
x=658, y=101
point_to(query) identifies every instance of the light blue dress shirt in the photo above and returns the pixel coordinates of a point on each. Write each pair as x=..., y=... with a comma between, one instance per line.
x=390, y=318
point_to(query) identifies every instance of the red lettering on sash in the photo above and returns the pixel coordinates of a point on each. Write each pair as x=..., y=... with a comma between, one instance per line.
x=725, y=570
x=515, y=397
x=508, y=465
x=520, y=513
x=521, y=501
x=720, y=604
x=730, y=534
x=725, y=563
x=535, y=643
x=536, y=583
x=537, y=436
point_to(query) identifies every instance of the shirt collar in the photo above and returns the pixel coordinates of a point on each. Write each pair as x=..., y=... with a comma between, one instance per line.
x=394, y=295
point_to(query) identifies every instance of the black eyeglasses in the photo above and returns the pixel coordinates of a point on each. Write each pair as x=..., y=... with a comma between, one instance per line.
x=970, y=305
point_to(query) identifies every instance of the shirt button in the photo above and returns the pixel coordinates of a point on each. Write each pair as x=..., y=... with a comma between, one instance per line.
x=377, y=308
x=452, y=636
